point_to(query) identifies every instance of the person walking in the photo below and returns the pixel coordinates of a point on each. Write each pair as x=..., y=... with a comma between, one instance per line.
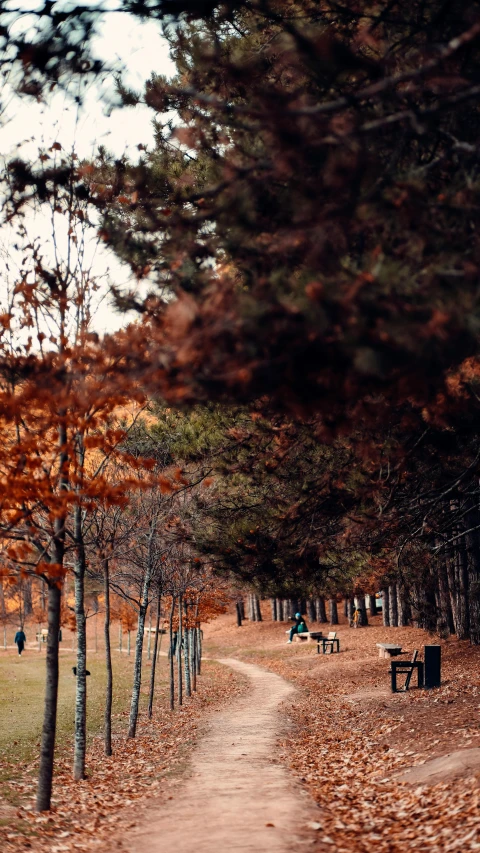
x=300, y=627
x=20, y=640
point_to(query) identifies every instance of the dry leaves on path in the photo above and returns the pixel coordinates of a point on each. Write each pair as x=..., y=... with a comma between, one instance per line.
x=352, y=737
x=88, y=814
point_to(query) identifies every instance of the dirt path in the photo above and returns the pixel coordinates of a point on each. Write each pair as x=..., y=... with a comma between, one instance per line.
x=234, y=790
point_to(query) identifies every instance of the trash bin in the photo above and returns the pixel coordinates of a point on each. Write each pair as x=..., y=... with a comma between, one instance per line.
x=432, y=658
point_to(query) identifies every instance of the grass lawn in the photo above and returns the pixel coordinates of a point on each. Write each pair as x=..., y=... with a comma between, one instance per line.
x=22, y=686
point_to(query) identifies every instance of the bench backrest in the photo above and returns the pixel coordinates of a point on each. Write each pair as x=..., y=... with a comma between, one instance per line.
x=332, y=635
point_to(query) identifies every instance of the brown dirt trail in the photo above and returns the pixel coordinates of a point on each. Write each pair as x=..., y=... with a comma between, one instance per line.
x=234, y=789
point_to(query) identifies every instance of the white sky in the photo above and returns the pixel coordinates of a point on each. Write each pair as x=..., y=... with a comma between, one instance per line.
x=136, y=49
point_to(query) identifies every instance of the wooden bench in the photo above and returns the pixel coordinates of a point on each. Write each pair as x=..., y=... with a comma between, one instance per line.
x=406, y=667
x=42, y=635
x=330, y=642
x=307, y=636
x=388, y=650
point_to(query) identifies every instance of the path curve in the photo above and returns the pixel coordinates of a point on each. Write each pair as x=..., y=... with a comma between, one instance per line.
x=233, y=789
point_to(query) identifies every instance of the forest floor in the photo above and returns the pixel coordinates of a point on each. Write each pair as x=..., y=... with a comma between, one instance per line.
x=341, y=765
x=120, y=789
x=390, y=772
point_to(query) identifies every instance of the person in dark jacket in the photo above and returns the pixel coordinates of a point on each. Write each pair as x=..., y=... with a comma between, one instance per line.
x=300, y=627
x=20, y=640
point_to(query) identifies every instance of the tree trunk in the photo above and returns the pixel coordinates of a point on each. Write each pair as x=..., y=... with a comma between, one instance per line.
x=392, y=593
x=473, y=570
x=310, y=610
x=80, y=744
x=193, y=664
x=154, y=661
x=273, y=603
x=372, y=605
x=333, y=611
x=137, y=665
x=320, y=609
x=149, y=639
x=461, y=609
x=186, y=654
x=445, y=625
x=171, y=660
x=239, y=614
x=199, y=650
x=386, y=607
x=179, y=652
x=27, y=597
x=256, y=608
x=361, y=607
x=108, y=660
x=345, y=607
x=47, y=749
x=402, y=606
x=350, y=608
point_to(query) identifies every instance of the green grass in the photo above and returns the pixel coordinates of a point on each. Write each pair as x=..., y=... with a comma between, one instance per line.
x=22, y=688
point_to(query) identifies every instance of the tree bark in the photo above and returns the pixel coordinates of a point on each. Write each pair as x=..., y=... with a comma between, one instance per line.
x=392, y=593
x=171, y=659
x=186, y=654
x=350, y=608
x=311, y=610
x=179, y=652
x=372, y=605
x=47, y=748
x=445, y=625
x=361, y=607
x=27, y=597
x=256, y=609
x=154, y=661
x=386, y=607
x=239, y=614
x=461, y=596
x=149, y=638
x=473, y=570
x=108, y=660
x=402, y=606
x=273, y=604
x=142, y=613
x=199, y=650
x=333, y=611
x=320, y=609
x=80, y=744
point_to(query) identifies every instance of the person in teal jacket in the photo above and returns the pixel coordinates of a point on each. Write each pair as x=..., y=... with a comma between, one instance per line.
x=20, y=640
x=300, y=627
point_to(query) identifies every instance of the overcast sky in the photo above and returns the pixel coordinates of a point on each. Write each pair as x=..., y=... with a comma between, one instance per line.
x=136, y=49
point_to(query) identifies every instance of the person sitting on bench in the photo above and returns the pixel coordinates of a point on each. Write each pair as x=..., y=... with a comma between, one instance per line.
x=300, y=627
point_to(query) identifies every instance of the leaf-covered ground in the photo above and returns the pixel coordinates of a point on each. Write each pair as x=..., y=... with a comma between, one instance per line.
x=349, y=740
x=112, y=800
x=351, y=737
